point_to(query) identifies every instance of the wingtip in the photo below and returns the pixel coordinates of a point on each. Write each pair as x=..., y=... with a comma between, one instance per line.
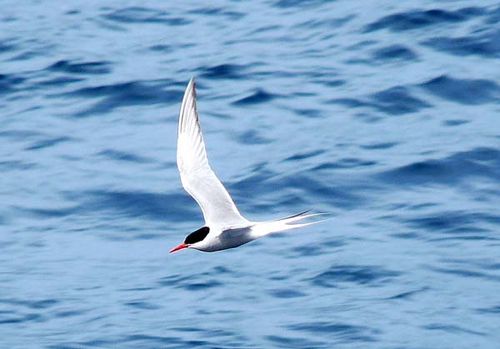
x=191, y=87
x=192, y=81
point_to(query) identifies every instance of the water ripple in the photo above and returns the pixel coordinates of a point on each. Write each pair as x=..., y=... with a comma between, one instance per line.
x=463, y=91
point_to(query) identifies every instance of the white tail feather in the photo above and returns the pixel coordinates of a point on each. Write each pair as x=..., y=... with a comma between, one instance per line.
x=292, y=222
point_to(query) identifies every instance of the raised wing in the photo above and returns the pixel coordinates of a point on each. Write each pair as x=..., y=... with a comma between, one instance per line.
x=196, y=175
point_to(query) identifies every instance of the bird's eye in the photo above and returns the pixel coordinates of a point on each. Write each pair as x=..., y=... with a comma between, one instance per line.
x=197, y=236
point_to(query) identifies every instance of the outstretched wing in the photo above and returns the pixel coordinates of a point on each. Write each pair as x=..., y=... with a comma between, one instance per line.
x=196, y=175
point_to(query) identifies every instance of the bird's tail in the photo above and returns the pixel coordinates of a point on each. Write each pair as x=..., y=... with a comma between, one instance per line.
x=287, y=223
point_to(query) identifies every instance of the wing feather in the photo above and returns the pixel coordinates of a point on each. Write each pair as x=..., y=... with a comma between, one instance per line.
x=197, y=177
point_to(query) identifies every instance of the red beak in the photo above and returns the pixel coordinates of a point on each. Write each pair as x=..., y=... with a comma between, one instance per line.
x=180, y=247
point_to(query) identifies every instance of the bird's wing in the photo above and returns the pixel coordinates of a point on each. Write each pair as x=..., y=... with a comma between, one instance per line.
x=196, y=175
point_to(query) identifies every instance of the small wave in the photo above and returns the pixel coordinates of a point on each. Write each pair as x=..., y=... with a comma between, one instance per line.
x=341, y=332
x=479, y=162
x=223, y=71
x=259, y=96
x=463, y=91
x=337, y=275
x=173, y=207
x=10, y=83
x=123, y=156
x=50, y=142
x=137, y=14
x=218, y=12
x=286, y=293
x=455, y=224
x=422, y=18
x=125, y=94
x=484, y=45
x=289, y=4
x=396, y=100
x=81, y=68
x=452, y=329
x=252, y=137
x=394, y=52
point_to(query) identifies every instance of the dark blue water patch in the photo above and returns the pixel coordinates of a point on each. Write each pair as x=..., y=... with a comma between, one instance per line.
x=161, y=48
x=394, y=53
x=218, y=11
x=408, y=294
x=416, y=19
x=465, y=273
x=72, y=12
x=259, y=96
x=463, y=91
x=162, y=207
x=334, y=23
x=202, y=285
x=118, y=155
x=479, y=162
x=48, y=212
x=141, y=305
x=379, y=146
x=136, y=14
x=349, y=102
x=21, y=319
x=484, y=45
x=27, y=55
x=67, y=313
x=32, y=304
x=332, y=83
x=10, y=83
x=252, y=137
x=397, y=101
x=7, y=47
x=300, y=4
x=340, y=275
x=339, y=331
x=319, y=188
x=306, y=155
x=125, y=94
x=462, y=223
x=452, y=329
x=286, y=293
x=20, y=134
x=490, y=310
x=393, y=101
x=199, y=283
x=134, y=340
x=288, y=342
x=46, y=143
x=207, y=332
x=309, y=113
x=314, y=250
x=58, y=81
x=223, y=71
x=14, y=165
x=455, y=122
x=81, y=68
x=345, y=163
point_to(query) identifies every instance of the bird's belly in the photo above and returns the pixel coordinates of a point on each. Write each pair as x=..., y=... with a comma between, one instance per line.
x=232, y=238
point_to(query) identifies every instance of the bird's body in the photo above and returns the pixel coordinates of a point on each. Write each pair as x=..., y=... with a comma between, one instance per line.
x=224, y=226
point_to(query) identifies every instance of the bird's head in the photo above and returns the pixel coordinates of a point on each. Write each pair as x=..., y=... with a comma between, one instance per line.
x=193, y=240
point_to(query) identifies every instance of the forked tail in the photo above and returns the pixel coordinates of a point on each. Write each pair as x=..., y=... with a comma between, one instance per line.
x=287, y=223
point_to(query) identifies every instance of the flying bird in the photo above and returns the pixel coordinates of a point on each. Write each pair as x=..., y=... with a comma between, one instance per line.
x=224, y=227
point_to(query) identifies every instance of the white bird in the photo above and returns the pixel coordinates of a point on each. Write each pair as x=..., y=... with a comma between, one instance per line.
x=224, y=226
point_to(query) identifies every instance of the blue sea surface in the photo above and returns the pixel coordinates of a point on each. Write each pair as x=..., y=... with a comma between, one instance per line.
x=383, y=113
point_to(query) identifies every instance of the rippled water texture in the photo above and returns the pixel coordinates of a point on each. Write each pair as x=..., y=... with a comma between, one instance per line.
x=384, y=113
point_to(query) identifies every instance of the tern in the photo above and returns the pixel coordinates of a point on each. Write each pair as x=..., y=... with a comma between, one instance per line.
x=224, y=227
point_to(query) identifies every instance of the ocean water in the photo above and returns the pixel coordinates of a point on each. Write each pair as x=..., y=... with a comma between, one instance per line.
x=383, y=113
